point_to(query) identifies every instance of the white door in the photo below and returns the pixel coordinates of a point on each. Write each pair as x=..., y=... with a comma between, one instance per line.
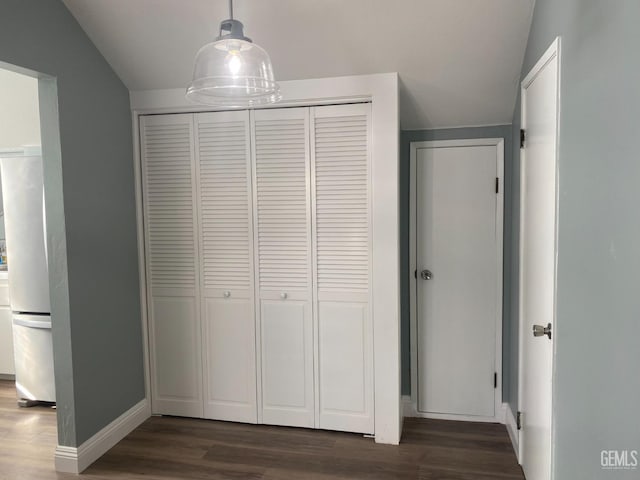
x=172, y=264
x=342, y=249
x=459, y=262
x=282, y=235
x=223, y=166
x=537, y=262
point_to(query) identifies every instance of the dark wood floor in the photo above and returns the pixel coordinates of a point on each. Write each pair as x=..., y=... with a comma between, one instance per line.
x=165, y=448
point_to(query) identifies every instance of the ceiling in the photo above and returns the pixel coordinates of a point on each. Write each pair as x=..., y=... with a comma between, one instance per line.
x=459, y=60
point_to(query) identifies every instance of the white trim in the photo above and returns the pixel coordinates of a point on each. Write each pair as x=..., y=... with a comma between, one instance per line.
x=407, y=406
x=414, y=147
x=295, y=93
x=77, y=459
x=552, y=53
x=512, y=430
x=382, y=91
x=142, y=269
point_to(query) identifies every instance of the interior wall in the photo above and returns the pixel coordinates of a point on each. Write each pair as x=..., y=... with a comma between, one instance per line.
x=91, y=223
x=408, y=136
x=596, y=382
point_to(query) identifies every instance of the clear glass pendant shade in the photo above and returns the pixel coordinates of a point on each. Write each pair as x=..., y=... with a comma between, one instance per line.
x=233, y=72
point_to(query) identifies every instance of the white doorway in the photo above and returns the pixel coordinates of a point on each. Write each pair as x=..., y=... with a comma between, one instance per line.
x=456, y=296
x=538, y=191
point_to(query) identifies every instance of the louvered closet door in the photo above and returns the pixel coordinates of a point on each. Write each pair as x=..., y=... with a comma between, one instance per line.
x=283, y=259
x=342, y=264
x=172, y=263
x=226, y=239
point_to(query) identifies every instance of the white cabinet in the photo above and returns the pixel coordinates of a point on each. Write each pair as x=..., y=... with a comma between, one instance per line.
x=258, y=253
x=283, y=259
x=223, y=166
x=7, y=366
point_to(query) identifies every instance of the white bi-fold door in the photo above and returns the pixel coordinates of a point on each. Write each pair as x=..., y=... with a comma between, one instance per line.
x=258, y=239
x=342, y=260
x=198, y=222
x=282, y=232
x=172, y=264
x=223, y=173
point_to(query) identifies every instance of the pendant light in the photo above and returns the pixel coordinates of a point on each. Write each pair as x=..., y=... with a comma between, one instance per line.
x=233, y=71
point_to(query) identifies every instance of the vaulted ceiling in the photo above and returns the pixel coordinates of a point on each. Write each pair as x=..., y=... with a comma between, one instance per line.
x=459, y=60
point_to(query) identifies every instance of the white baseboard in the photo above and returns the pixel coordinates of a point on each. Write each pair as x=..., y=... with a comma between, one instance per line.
x=77, y=459
x=407, y=406
x=512, y=429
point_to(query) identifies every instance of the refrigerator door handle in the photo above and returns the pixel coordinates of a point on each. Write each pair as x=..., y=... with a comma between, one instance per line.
x=32, y=321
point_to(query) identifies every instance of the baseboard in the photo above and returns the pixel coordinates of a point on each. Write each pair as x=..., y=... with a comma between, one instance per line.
x=407, y=406
x=512, y=429
x=77, y=459
x=7, y=376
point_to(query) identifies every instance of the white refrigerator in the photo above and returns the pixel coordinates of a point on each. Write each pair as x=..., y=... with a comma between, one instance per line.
x=25, y=235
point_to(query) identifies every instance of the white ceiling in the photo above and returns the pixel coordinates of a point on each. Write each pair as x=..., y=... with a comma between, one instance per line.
x=459, y=60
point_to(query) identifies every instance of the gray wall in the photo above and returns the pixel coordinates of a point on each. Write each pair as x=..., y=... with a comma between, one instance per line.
x=89, y=189
x=596, y=384
x=408, y=136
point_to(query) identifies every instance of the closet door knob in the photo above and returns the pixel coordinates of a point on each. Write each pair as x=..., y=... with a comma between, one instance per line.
x=283, y=295
x=227, y=294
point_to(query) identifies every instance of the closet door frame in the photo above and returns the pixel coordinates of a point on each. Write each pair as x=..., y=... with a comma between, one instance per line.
x=382, y=90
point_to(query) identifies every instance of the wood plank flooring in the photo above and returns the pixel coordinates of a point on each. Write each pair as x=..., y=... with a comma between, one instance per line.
x=166, y=448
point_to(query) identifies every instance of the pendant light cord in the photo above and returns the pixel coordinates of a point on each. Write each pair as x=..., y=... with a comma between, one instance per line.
x=231, y=9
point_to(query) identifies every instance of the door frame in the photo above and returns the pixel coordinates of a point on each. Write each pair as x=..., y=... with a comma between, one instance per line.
x=382, y=91
x=551, y=54
x=498, y=143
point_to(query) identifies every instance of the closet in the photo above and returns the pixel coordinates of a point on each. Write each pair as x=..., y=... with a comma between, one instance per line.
x=258, y=265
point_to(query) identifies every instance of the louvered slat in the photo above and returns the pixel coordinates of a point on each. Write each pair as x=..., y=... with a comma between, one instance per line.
x=224, y=202
x=281, y=197
x=342, y=203
x=169, y=205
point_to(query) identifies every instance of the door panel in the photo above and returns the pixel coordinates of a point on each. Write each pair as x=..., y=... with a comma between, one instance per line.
x=230, y=341
x=537, y=268
x=287, y=363
x=342, y=249
x=282, y=234
x=168, y=168
x=176, y=347
x=458, y=306
x=223, y=164
x=346, y=400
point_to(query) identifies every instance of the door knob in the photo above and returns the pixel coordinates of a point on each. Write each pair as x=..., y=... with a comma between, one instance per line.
x=539, y=331
x=426, y=274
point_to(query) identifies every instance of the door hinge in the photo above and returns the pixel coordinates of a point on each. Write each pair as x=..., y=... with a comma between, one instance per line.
x=497, y=184
x=519, y=420
x=523, y=137
x=495, y=380
x=415, y=274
